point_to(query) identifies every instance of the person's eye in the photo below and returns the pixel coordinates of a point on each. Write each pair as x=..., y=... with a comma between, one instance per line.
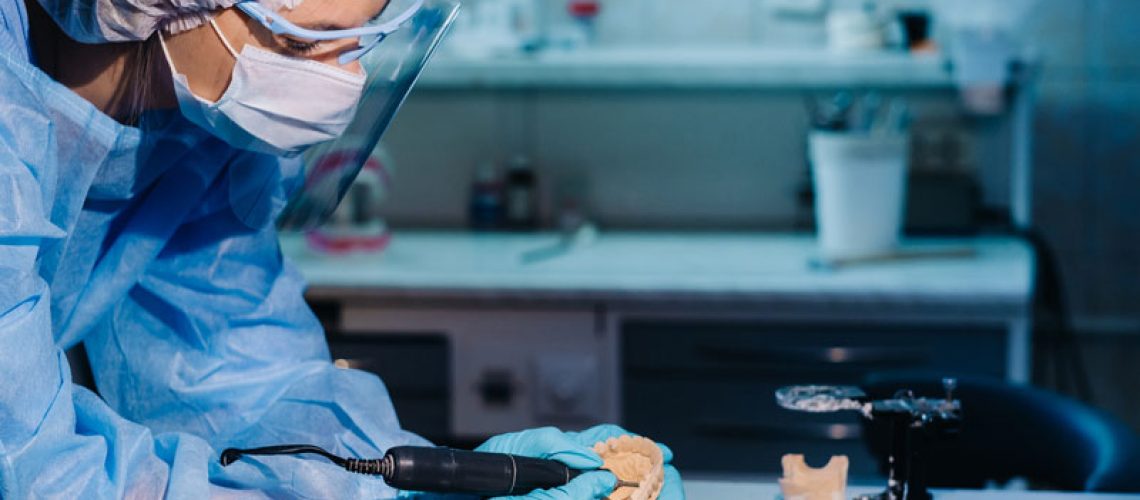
x=300, y=47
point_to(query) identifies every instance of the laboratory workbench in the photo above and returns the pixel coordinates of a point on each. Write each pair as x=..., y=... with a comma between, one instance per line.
x=726, y=490
x=474, y=339
x=670, y=267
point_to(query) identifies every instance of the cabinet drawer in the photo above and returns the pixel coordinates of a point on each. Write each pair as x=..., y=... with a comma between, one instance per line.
x=737, y=427
x=745, y=408
x=799, y=351
x=707, y=388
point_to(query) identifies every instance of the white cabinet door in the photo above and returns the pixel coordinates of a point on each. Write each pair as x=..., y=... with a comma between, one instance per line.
x=511, y=369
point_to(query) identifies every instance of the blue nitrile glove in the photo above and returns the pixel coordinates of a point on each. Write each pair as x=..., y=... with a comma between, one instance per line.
x=551, y=443
x=575, y=449
x=671, y=490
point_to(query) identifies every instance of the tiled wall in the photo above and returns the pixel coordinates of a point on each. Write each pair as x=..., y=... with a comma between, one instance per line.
x=1088, y=176
x=1088, y=154
x=677, y=159
x=680, y=22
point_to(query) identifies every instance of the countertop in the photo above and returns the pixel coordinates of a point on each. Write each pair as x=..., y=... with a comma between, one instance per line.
x=628, y=266
x=727, y=490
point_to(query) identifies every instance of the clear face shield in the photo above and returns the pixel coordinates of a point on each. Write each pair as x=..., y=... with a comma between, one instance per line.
x=392, y=68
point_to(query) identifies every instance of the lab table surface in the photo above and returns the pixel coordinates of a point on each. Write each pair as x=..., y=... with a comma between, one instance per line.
x=701, y=293
x=769, y=490
x=690, y=267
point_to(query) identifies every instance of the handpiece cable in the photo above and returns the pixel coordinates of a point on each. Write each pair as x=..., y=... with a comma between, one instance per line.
x=441, y=470
x=374, y=467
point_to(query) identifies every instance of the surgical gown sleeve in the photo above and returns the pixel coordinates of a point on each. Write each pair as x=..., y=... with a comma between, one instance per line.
x=217, y=341
x=53, y=437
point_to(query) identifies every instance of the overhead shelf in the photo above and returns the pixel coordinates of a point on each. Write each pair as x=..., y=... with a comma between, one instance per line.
x=685, y=68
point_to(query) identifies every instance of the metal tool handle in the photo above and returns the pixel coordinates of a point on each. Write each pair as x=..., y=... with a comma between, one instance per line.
x=446, y=470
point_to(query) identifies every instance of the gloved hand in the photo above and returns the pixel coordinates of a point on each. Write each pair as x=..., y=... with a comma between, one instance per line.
x=551, y=443
x=575, y=449
x=671, y=490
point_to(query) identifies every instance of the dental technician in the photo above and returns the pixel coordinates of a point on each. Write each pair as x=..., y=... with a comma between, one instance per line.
x=146, y=148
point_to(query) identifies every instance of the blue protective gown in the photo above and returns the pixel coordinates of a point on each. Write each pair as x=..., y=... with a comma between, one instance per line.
x=155, y=247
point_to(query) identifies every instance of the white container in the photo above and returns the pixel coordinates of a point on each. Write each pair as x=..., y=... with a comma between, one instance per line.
x=860, y=186
x=854, y=30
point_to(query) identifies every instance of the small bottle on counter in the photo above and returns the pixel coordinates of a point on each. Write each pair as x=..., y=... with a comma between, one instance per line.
x=585, y=12
x=487, y=206
x=522, y=198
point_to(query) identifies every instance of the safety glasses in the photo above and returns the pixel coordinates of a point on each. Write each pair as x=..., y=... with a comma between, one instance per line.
x=369, y=36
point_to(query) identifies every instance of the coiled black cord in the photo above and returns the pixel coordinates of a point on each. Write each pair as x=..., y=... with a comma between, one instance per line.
x=373, y=467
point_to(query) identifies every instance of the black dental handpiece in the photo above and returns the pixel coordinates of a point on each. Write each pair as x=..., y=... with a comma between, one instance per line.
x=443, y=470
x=446, y=470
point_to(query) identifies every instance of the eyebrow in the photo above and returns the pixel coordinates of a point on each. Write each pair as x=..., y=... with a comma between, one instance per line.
x=322, y=26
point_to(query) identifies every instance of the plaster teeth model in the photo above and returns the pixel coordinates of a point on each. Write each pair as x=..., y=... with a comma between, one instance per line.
x=635, y=460
x=801, y=482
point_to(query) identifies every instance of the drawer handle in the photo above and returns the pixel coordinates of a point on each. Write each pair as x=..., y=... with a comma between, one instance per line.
x=782, y=432
x=838, y=355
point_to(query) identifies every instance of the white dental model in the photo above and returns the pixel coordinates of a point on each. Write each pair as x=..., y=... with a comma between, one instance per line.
x=801, y=482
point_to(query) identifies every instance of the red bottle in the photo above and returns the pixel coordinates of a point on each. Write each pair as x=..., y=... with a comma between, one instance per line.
x=587, y=9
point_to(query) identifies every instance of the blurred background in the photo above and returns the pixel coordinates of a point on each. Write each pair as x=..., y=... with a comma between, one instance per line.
x=607, y=211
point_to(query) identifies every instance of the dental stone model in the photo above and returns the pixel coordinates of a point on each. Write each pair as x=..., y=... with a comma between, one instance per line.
x=633, y=460
x=801, y=482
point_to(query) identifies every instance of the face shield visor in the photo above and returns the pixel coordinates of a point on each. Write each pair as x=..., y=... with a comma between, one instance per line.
x=392, y=68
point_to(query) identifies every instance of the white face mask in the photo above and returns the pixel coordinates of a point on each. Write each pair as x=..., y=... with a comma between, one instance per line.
x=275, y=104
